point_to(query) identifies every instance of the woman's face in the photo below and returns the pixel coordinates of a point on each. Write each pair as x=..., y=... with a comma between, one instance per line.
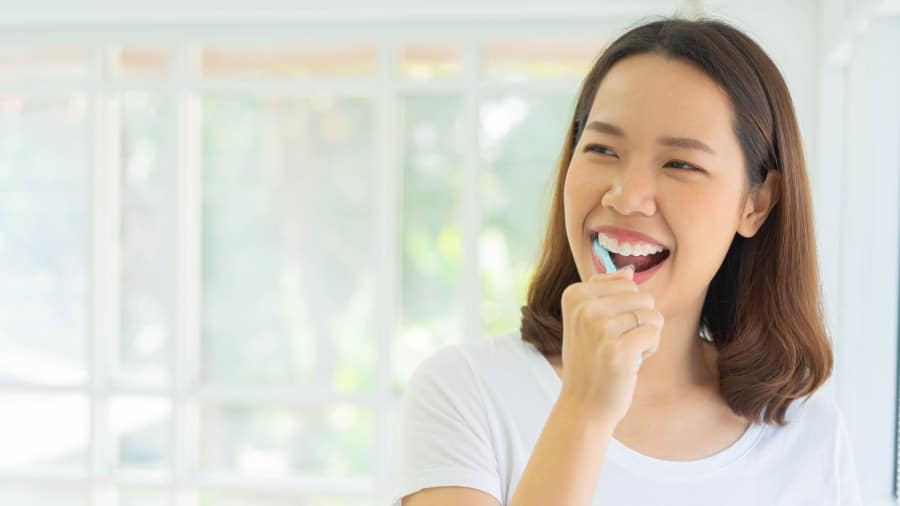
x=686, y=197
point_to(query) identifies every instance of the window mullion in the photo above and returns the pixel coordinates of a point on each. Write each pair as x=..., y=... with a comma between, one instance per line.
x=471, y=210
x=388, y=177
x=103, y=138
x=186, y=145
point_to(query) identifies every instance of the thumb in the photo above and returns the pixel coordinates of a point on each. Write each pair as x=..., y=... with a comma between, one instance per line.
x=627, y=271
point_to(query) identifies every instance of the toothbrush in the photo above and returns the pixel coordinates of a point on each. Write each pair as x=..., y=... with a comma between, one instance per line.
x=603, y=253
x=610, y=267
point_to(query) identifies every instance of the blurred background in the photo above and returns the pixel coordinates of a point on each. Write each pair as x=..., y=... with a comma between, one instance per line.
x=229, y=231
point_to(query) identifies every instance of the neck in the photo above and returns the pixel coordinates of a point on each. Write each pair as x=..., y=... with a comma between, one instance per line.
x=682, y=363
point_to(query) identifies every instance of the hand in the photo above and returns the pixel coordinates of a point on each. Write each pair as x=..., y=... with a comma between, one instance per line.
x=601, y=343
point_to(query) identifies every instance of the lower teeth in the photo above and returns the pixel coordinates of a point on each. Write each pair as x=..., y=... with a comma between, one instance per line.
x=620, y=264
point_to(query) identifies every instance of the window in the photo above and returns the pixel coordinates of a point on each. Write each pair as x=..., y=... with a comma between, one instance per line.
x=222, y=261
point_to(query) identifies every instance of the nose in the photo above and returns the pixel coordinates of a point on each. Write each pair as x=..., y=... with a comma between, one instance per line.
x=633, y=192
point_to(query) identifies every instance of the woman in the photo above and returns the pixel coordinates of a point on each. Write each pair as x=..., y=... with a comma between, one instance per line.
x=686, y=377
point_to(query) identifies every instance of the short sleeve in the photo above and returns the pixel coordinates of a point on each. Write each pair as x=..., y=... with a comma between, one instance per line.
x=443, y=436
x=847, y=483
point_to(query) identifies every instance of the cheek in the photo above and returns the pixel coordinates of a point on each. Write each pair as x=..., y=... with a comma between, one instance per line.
x=707, y=209
x=577, y=194
x=704, y=224
x=580, y=186
x=570, y=204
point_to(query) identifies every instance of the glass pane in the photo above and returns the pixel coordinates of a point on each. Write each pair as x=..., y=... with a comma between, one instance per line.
x=43, y=63
x=142, y=497
x=223, y=498
x=288, y=207
x=521, y=140
x=140, y=62
x=140, y=431
x=430, y=62
x=432, y=247
x=521, y=61
x=394, y=424
x=33, y=437
x=323, y=61
x=132, y=495
x=49, y=494
x=148, y=239
x=271, y=442
x=44, y=185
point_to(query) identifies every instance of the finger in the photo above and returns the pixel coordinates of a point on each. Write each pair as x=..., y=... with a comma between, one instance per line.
x=607, y=286
x=612, y=305
x=617, y=326
x=577, y=294
x=641, y=341
x=626, y=273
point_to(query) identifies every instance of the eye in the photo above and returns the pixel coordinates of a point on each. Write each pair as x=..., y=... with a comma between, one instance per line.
x=686, y=165
x=596, y=148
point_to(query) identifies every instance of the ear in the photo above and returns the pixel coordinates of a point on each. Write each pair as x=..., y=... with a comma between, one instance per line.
x=759, y=203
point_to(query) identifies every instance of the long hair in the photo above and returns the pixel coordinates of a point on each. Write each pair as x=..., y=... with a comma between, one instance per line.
x=763, y=306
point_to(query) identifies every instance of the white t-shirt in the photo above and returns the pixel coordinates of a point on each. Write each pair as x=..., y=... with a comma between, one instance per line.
x=472, y=414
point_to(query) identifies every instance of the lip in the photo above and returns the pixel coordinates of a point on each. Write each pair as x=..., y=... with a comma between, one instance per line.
x=623, y=234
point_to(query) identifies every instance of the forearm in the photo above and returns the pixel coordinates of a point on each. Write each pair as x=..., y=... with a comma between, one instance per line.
x=566, y=461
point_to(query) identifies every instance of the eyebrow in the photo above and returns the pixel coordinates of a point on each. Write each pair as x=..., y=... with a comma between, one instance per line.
x=678, y=142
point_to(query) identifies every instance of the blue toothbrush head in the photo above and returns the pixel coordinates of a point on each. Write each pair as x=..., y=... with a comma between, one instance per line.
x=604, y=255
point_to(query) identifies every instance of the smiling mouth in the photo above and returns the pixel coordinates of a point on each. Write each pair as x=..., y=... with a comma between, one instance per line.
x=640, y=262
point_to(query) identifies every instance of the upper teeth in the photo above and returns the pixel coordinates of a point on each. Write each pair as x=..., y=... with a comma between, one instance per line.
x=627, y=248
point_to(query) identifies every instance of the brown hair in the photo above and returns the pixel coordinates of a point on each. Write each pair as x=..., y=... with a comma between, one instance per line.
x=763, y=306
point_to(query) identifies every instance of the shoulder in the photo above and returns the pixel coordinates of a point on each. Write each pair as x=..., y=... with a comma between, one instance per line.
x=826, y=441
x=460, y=364
x=445, y=361
x=814, y=424
x=812, y=431
x=819, y=409
x=474, y=376
x=444, y=435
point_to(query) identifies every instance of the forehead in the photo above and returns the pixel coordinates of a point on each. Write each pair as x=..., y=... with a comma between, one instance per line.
x=648, y=95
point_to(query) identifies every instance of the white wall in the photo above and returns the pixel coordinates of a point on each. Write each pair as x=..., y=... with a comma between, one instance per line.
x=858, y=223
